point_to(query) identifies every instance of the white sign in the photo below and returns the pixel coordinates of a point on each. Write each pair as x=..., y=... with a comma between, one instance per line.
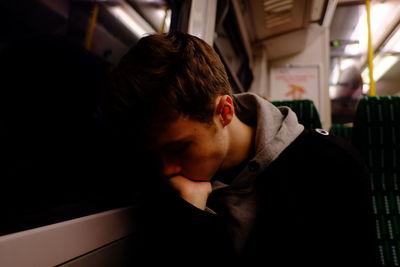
x=292, y=83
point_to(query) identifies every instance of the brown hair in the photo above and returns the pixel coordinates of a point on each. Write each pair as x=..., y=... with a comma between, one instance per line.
x=167, y=75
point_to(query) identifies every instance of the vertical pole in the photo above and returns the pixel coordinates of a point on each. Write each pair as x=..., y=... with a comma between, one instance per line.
x=92, y=24
x=162, y=29
x=370, y=51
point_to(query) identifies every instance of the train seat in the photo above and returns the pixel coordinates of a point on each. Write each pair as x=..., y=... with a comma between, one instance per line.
x=342, y=131
x=305, y=110
x=376, y=133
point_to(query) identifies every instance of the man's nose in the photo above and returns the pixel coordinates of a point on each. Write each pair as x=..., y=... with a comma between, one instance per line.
x=171, y=169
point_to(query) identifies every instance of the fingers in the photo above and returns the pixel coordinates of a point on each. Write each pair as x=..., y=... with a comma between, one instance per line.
x=194, y=192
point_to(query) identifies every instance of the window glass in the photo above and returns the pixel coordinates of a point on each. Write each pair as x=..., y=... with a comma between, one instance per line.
x=59, y=160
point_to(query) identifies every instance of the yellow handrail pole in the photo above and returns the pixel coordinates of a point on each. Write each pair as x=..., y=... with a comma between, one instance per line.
x=164, y=20
x=370, y=51
x=92, y=24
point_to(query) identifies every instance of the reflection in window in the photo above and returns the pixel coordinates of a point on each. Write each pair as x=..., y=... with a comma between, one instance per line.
x=60, y=161
x=156, y=12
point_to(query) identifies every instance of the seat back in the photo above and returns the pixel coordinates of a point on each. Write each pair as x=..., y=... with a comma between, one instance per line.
x=305, y=110
x=376, y=133
x=342, y=131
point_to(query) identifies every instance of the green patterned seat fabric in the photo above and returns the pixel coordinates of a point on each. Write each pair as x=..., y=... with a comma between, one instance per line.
x=341, y=130
x=305, y=110
x=376, y=133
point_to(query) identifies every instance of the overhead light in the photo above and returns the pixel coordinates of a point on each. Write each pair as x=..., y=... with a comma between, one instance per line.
x=383, y=61
x=346, y=63
x=384, y=64
x=393, y=44
x=381, y=65
x=381, y=16
x=131, y=19
x=164, y=15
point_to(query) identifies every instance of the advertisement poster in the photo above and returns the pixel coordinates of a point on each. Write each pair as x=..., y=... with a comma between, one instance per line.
x=295, y=82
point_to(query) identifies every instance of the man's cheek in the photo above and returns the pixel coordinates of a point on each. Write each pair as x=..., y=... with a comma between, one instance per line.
x=202, y=171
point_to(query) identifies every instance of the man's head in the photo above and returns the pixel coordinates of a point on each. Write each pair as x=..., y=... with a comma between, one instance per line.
x=173, y=90
x=165, y=76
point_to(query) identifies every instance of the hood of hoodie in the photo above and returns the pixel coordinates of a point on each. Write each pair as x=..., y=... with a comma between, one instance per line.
x=275, y=129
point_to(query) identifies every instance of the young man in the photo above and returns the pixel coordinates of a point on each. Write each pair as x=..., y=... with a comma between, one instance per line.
x=244, y=182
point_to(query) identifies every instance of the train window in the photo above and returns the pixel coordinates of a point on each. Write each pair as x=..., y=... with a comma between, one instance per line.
x=109, y=28
x=228, y=43
x=60, y=161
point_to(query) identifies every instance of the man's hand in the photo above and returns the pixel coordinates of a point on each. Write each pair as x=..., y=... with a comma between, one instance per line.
x=194, y=192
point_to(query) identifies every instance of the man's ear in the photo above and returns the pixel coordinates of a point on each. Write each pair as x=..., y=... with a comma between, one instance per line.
x=225, y=109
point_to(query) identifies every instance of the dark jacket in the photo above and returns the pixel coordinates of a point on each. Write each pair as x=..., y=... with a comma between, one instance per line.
x=314, y=210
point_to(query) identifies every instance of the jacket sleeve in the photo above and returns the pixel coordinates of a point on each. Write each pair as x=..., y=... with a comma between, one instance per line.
x=344, y=211
x=177, y=232
x=317, y=206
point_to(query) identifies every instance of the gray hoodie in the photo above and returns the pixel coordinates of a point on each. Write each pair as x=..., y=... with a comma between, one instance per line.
x=233, y=193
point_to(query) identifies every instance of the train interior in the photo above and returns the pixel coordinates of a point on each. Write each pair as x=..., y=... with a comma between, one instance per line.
x=68, y=177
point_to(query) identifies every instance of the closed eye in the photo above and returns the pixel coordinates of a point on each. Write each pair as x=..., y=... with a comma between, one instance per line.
x=177, y=148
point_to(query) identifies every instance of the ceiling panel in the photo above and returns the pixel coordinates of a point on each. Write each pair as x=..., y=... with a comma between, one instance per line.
x=275, y=17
